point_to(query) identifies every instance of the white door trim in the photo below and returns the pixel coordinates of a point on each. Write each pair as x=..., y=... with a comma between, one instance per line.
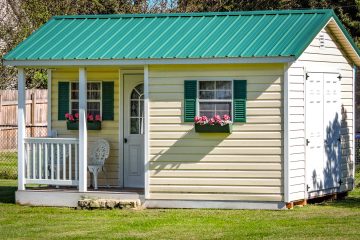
x=121, y=130
x=122, y=72
x=146, y=132
x=309, y=70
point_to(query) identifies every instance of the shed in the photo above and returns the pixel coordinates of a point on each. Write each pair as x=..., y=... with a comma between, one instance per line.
x=285, y=79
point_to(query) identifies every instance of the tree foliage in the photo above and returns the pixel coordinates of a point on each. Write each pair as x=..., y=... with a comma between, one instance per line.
x=19, y=18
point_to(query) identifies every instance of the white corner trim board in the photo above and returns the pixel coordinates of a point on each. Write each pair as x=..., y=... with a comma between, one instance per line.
x=286, y=135
x=353, y=125
x=115, y=62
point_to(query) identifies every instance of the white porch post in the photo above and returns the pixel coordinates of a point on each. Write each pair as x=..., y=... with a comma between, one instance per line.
x=49, y=73
x=146, y=132
x=21, y=128
x=82, y=130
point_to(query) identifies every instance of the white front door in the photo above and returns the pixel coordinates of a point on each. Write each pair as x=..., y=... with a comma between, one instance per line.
x=133, y=131
x=323, y=131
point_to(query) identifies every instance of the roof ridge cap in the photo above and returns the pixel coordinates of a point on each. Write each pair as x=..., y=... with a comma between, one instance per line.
x=196, y=14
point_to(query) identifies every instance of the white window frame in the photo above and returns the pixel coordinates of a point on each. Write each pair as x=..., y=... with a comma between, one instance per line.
x=141, y=123
x=87, y=100
x=198, y=100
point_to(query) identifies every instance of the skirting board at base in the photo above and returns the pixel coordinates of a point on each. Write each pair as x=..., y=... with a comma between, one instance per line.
x=68, y=198
x=213, y=204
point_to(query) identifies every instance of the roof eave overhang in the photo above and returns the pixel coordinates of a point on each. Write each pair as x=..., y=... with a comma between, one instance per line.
x=345, y=40
x=132, y=62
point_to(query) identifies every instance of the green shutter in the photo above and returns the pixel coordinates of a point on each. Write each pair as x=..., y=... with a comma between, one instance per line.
x=108, y=101
x=63, y=100
x=240, y=93
x=190, y=93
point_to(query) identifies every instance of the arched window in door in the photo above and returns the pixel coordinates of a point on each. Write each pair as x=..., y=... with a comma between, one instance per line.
x=137, y=110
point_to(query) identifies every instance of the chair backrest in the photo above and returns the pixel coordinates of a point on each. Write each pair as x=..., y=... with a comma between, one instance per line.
x=99, y=152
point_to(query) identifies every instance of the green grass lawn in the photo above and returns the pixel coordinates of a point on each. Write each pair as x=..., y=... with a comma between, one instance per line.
x=330, y=220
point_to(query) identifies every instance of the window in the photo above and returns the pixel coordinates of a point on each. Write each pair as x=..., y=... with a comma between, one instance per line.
x=93, y=98
x=215, y=98
x=137, y=110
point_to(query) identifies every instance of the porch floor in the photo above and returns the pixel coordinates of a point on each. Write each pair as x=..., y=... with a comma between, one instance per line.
x=69, y=196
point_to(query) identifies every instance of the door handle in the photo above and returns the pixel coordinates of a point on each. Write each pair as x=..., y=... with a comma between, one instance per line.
x=125, y=140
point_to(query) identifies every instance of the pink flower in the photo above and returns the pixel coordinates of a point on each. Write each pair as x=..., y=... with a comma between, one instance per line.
x=71, y=117
x=98, y=117
x=226, y=117
x=67, y=115
x=197, y=119
x=204, y=119
x=90, y=117
x=211, y=121
x=76, y=115
x=217, y=117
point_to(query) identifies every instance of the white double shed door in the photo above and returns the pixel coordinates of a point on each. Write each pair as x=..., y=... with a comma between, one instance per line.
x=323, y=130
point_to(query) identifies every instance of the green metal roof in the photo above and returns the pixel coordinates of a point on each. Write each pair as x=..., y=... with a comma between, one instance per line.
x=181, y=35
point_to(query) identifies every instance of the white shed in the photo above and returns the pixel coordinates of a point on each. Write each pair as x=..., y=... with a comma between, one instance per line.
x=284, y=78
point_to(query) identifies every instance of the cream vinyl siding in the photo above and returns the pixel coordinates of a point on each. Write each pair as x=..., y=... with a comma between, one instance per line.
x=245, y=165
x=110, y=129
x=328, y=57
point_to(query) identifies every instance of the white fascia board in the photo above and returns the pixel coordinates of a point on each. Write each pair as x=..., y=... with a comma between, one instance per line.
x=332, y=20
x=109, y=62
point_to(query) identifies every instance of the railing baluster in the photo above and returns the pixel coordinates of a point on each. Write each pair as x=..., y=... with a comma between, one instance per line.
x=52, y=161
x=64, y=161
x=28, y=160
x=70, y=162
x=33, y=161
x=58, y=161
x=40, y=155
x=46, y=161
x=76, y=162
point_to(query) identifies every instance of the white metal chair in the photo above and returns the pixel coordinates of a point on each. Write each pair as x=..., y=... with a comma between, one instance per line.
x=98, y=154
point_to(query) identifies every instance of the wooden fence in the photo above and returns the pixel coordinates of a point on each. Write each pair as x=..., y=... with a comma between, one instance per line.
x=36, y=116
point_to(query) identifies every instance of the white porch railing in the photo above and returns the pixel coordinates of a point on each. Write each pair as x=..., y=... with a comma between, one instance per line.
x=52, y=161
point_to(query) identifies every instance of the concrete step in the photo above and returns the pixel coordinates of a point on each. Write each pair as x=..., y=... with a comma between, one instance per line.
x=109, y=204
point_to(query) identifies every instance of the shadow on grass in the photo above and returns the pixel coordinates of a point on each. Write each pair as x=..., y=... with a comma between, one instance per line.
x=7, y=194
x=8, y=188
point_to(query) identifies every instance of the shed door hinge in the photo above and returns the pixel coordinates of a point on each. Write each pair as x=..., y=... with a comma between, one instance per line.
x=307, y=142
x=307, y=187
x=339, y=77
x=340, y=182
x=306, y=76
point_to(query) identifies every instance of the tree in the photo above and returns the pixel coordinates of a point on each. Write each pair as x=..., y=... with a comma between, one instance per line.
x=19, y=18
